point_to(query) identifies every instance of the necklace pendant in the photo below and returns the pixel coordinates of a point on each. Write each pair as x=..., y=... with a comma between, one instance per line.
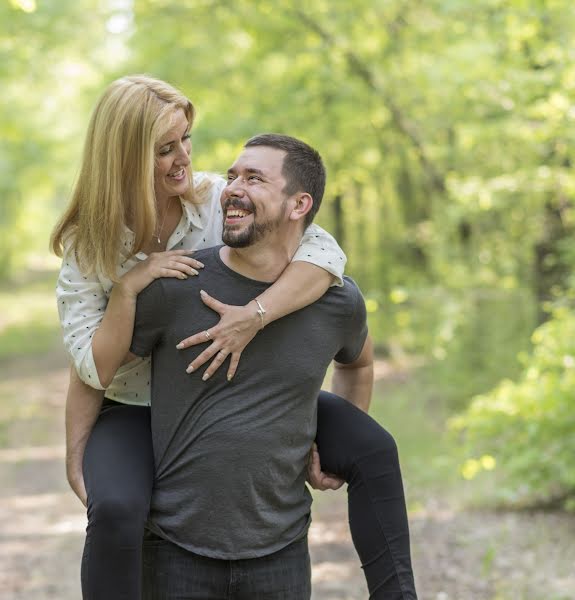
x=159, y=241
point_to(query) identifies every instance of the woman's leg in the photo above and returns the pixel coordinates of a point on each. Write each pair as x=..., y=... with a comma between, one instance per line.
x=356, y=448
x=119, y=474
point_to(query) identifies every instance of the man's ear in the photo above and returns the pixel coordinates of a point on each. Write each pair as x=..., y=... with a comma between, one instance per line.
x=303, y=204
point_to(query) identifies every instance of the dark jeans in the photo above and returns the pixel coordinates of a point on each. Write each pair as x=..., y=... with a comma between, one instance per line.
x=172, y=573
x=118, y=470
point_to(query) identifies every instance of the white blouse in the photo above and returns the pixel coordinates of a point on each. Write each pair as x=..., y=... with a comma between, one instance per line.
x=82, y=299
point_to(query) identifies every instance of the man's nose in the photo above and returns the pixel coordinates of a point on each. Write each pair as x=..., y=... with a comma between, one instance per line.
x=234, y=188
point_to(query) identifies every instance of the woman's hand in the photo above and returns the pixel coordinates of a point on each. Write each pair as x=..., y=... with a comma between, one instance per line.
x=173, y=263
x=76, y=481
x=316, y=477
x=237, y=327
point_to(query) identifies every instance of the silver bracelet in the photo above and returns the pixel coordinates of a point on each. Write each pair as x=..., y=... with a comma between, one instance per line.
x=261, y=312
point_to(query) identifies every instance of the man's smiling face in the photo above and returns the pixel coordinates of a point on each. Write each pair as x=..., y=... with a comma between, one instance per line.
x=254, y=202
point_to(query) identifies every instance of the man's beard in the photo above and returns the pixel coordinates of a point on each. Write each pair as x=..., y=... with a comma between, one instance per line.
x=254, y=233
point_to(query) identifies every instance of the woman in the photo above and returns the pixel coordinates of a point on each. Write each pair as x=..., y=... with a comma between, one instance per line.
x=135, y=213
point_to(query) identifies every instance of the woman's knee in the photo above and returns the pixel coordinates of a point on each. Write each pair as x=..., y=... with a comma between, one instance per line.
x=343, y=424
x=124, y=511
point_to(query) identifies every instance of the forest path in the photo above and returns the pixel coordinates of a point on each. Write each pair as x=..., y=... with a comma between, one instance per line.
x=457, y=554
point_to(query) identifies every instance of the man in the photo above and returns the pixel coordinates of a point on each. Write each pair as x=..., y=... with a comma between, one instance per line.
x=230, y=509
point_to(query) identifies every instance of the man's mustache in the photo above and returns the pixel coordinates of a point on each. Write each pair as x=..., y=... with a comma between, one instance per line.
x=239, y=204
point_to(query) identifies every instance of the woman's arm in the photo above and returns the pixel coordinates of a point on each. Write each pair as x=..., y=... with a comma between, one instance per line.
x=317, y=263
x=83, y=405
x=97, y=330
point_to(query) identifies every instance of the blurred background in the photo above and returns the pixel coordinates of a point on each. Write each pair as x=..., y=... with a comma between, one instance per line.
x=448, y=131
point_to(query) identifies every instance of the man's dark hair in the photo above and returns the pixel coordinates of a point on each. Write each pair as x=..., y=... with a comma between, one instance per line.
x=302, y=167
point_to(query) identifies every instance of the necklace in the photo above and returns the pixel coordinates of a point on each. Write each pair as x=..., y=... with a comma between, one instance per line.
x=157, y=235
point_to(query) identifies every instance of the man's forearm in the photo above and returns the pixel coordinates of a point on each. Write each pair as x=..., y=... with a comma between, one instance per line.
x=354, y=381
x=83, y=405
x=355, y=385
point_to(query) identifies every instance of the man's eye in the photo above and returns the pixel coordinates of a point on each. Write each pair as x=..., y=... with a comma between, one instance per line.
x=254, y=178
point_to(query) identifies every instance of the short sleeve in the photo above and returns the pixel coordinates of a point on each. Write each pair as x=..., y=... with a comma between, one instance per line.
x=150, y=319
x=356, y=331
x=320, y=248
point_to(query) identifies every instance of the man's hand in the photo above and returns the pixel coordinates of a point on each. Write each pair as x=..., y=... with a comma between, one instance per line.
x=317, y=479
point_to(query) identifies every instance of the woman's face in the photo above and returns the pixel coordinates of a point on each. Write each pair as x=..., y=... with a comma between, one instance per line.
x=172, y=168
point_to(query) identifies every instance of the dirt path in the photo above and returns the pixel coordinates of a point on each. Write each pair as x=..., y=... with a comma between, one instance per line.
x=458, y=555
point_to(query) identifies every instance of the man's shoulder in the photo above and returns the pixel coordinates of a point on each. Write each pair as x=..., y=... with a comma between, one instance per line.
x=209, y=257
x=348, y=292
x=209, y=254
x=345, y=300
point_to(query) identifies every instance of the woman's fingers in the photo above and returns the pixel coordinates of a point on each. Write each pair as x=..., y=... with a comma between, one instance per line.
x=212, y=303
x=194, y=340
x=166, y=272
x=215, y=364
x=234, y=362
x=202, y=358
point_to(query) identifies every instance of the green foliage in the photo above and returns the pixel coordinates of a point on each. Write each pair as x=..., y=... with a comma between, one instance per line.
x=28, y=318
x=447, y=127
x=527, y=426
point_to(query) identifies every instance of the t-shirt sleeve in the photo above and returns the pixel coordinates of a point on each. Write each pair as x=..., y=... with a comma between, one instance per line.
x=150, y=319
x=317, y=246
x=356, y=332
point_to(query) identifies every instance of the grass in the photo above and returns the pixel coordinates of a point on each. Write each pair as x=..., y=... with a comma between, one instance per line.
x=28, y=317
x=413, y=411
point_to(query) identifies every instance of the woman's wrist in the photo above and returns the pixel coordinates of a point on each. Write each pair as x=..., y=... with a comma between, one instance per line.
x=253, y=317
x=261, y=312
x=126, y=288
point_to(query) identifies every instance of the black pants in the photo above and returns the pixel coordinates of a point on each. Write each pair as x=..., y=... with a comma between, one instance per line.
x=172, y=573
x=119, y=473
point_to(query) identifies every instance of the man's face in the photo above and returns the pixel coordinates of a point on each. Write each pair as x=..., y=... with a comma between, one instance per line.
x=253, y=201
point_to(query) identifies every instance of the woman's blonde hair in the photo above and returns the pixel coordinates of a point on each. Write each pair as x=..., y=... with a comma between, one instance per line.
x=115, y=186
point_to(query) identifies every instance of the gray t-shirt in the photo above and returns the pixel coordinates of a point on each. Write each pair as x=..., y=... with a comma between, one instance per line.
x=231, y=456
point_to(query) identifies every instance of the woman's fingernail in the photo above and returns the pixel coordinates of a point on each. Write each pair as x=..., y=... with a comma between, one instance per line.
x=205, y=377
x=201, y=265
x=190, y=369
x=183, y=276
x=229, y=377
x=180, y=346
x=194, y=272
x=202, y=292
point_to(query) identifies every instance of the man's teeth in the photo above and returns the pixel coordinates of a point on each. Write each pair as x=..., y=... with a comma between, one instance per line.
x=237, y=213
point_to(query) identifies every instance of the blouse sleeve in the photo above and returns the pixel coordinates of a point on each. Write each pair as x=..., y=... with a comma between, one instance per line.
x=320, y=248
x=81, y=306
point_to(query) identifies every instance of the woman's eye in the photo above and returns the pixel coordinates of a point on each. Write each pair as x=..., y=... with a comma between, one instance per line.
x=186, y=137
x=164, y=151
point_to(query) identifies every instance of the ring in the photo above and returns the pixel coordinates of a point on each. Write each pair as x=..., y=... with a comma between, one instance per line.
x=207, y=334
x=222, y=354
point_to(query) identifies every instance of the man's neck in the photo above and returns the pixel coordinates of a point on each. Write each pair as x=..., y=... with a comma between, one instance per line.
x=264, y=260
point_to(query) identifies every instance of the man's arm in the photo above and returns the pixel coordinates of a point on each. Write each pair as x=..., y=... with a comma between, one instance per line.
x=354, y=381
x=83, y=405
